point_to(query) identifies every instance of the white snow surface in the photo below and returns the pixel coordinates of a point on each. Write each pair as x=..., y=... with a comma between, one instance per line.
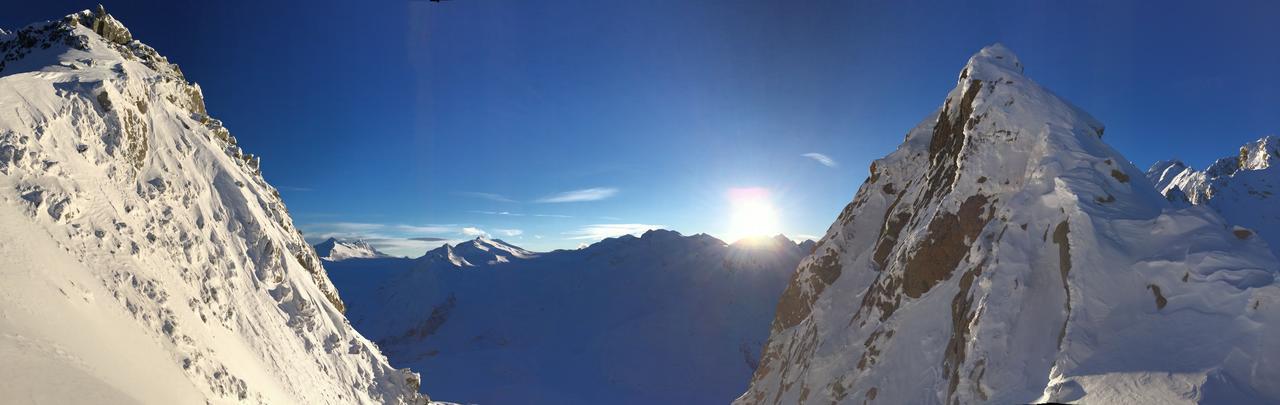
x=143, y=259
x=1005, y=254
x=336, y=250
x=661, y=318
x=1242, y=188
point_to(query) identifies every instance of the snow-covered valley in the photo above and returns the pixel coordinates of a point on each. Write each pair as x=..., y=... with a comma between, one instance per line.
x=660, y=318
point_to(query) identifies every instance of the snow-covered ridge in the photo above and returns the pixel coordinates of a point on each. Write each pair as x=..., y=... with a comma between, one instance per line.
x=576, y=326
x=334, y=250
x=172, y=268
x=1242, y=188
x=478, y=251
x=1005, y=254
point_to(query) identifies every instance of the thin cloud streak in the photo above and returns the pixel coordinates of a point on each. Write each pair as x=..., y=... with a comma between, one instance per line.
x=821, y=158
x=601, y=231
x=587, y=194
x=487, y=196
x=509, y=232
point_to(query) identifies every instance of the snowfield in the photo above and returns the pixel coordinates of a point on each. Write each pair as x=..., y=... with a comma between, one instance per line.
x=1005, y=254
x=143, y=259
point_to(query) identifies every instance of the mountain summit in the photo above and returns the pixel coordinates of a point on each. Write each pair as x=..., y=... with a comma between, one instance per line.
x=1005, y=254
x=144, y=259
x=334, y=250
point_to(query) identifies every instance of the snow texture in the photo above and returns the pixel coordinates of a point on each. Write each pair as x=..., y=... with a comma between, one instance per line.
x=143, y=257
x=1005, y=254
x=662, y=318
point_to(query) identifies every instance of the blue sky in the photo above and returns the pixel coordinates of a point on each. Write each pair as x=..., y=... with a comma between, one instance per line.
x=551, y=124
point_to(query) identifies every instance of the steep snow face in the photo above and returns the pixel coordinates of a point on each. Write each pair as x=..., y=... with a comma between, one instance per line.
x=1005, y=254
x=334, y=250
x=143, y=257
x=1241, y=188
x=662, y=318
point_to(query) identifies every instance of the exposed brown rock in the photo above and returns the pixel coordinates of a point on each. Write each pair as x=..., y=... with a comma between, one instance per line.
x=945, y=245
x=961, y=317
x=796, y=302
x=1242, y=233
x=1160, y=300
x=948, y=138
x=1119, y=176
x=1060, y=238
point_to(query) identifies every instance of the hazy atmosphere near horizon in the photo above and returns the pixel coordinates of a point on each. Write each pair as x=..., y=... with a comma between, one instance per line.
x=553, y=124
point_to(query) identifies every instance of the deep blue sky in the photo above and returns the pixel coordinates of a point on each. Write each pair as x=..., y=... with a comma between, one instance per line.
x=384, y=119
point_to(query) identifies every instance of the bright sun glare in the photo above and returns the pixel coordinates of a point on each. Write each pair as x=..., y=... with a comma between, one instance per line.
x=751, y=214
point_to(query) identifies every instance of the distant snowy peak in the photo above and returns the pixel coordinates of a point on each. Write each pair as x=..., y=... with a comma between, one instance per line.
x=480, y=251
x=1242, y=188
x=334, y=250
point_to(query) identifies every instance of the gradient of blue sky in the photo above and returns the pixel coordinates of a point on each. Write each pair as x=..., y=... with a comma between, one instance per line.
x=418, y=119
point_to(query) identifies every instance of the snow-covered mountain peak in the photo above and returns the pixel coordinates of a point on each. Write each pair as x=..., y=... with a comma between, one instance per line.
x=335, y=250
x=1005, y=254
x=480, y=251
x=182, y=276
x=992, y=62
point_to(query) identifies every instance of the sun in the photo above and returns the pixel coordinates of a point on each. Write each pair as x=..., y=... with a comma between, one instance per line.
x=752, y=214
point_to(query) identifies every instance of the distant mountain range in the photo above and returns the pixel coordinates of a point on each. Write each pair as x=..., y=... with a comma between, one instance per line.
x=490, y=322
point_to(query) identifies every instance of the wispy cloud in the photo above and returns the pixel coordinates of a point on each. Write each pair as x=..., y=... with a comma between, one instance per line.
x=424, y=229
x=473, y=231
x=294, y=188
x=587, y=194
x=821, y=158
x=394, y=239
x=601, y=231
x=486, y=196
x=552, y=216
x=509, y=232
x=428, y=239
x=507, y=213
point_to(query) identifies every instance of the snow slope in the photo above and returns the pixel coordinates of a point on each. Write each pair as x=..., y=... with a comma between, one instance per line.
x=143, y=259
x=662, y=318
x=334, y=250
x=1005, y=254
x=1241, y=188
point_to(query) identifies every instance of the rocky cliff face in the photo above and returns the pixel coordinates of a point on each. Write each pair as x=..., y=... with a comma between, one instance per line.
x=1005, y=254
x=172, y=268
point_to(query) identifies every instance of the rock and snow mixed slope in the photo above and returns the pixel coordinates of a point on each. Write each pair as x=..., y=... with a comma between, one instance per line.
x=143, y=259
x=1241, y=188
x=335, y=250
x=1005, y=254
x=661, y=318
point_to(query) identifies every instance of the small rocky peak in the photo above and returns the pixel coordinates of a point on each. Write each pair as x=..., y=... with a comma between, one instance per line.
x=103, y=24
